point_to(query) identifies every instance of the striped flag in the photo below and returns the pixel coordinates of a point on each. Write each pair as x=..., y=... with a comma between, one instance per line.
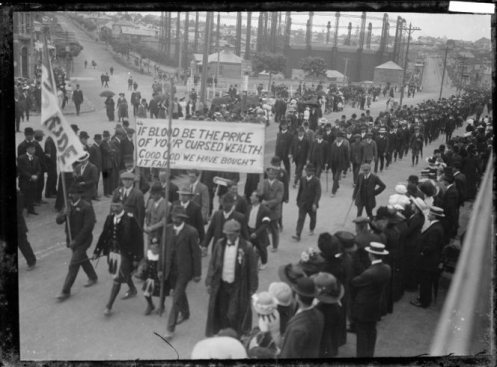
x=69, y=147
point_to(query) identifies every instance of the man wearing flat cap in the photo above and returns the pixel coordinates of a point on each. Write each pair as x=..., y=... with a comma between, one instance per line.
x=121, y=241
x=79, y=229
x=232, y=279
x=29, y=169
x=182, y=264
x=368, y=288
x=131, y=197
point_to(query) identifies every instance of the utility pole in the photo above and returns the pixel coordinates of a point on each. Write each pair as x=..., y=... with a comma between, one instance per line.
x=411, y=29
x=246, y=56
x=449, y=43
x=207, y=38
x=195, y=42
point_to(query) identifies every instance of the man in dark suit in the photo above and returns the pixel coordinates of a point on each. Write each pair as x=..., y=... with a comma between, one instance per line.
x=283, y=145
x=300, y=154
x=121, y=241
x=272, y=191
x=302, y=338
x=107, y=163
x=87, y=175
x=308, y=200
x=127, y=147
x=338, y=160
x=131, y=197
x=215, y=228
x=29, y=169
x=432, y=242
x=368, y=288
x=450, y=206
x=77, y=97
x=368, y=186
x=461, y=182
x=231, y=281
x=318, y=154
x=182, y=264
x=116, y=154
x=193, y=211
x=201, y=194
x=79, y=237
x=356, y=156
x=96, y=159
x=382, y=146
x=51, y=162
x=258, y=220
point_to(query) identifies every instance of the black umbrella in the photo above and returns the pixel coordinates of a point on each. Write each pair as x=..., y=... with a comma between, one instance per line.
x=107, y=93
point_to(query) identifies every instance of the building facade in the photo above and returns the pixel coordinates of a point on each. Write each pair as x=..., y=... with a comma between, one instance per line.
x=24, y=53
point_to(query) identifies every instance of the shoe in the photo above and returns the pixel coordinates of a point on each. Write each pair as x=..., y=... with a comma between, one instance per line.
x=130, y=294
x=91, y=282
x=169, y=335
x=262, y=266
x=296, y=237
x=311, y=233
x=149, y=310
x=107, y=311
x=182, y=318
x=417, y=303
x=274, y=249
x=63, y=296
x=31, y=267
x=32, y=212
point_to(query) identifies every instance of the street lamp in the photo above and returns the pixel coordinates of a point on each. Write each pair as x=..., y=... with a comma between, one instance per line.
x=449, y=44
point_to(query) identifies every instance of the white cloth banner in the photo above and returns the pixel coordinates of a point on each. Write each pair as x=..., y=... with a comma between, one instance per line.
x=202, y=145
x=69, y=147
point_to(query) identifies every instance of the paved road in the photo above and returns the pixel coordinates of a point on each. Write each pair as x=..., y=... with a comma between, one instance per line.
x=77, y=329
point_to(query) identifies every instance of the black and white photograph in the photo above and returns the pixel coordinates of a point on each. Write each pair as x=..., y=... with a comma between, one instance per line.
x=306, y=185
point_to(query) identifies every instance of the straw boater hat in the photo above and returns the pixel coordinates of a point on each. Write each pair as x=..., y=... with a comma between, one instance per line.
x=439, y=212
x=376, y=248
x=401, y=189
x=282, y=293
x=264, y=303
x=84, y=157
x=328, y=290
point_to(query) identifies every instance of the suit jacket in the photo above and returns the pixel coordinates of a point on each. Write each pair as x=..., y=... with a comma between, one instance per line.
x=241, y=205
x=309, y=192
x=261, y=224
x=450, y=205
x=202, y=198
x=431, y=243
x=461, y=184
x=339, y=156
x=318, y=154
x=127, y=151
x=194, y=218
x=300, y=150
x=21, y=148
x=283, y=144
x=373, y=186
x=90, y=179
x=184, y=250
x=302, y=338
x=173, y=192
x=355, y=153
x=215, y=228
x=368, y=288
x=26, y=169
x=273, y=195
x=96, y=156
x=77, y=96
x=368, y=151
x=107, y=156
x=50, y=153
x=128, y=239
x=82, y=220
x=116, y=153
x=134, y=203
x=41, y=156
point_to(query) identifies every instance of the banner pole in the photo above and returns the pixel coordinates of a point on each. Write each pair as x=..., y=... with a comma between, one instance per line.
x=168, y=185
x=66, y=204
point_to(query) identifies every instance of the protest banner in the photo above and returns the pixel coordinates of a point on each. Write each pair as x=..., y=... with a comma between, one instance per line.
x=204, y=145
x=69, y=147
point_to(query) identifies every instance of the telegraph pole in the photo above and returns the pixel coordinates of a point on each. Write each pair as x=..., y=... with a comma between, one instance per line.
x=410, y=30
x=449, y=43
x=205, y=65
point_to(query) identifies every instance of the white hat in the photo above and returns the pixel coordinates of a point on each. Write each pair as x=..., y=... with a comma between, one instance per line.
x=401, y=189
x=376, y=248
x=219, y=347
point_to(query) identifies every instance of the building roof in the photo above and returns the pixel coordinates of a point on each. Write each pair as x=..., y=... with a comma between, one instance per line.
x=226, y=57
x=334, y=74
x=389, y=65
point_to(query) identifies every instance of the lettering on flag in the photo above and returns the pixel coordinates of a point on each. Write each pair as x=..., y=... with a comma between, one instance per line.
x=204, y=145
x=69, y=147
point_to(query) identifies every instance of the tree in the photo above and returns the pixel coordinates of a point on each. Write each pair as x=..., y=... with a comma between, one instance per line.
x=269, y=62
x=314, y=66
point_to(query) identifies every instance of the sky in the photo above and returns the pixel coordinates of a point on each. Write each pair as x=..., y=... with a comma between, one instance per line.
x=467, y=27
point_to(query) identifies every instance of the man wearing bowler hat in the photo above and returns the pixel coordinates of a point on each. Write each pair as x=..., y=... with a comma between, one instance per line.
x=339, y=160
x=232, y=279
x=107, y=163
x=308, y=200
x=182, y=264
x=431, y=243
x=28, y=138
x=131, y=197
x=192, y=209
x=29, y=169
x=79, y=237
x=303, y=334
x=368, y=288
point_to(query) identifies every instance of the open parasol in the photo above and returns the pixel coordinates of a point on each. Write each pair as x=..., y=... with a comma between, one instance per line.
x=107, y=93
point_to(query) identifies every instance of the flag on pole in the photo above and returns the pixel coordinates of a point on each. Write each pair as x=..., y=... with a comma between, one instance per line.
x=69, y=147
